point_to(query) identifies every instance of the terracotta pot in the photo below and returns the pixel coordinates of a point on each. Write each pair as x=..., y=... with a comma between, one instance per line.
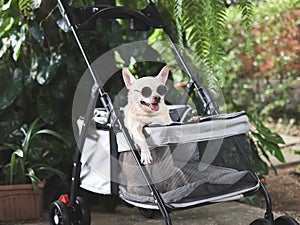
x=20, y=202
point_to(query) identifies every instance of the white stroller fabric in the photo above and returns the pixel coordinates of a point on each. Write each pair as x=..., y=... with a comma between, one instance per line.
x=209, y=128
x=216, y=169
x=95, y=173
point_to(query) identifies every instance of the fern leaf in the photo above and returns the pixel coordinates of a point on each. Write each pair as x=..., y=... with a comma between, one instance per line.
x=247, y=10
x=178, y=12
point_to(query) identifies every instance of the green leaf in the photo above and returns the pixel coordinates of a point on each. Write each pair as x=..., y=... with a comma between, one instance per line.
x=34, y=179
x=31, y=174
x=45, y=167
x=10, y=88
x=6, y=146
x=47, y=67
x=36, y=4
x=261, y=167
x=17, y=43
x=6, y=6
x=28, y=136
x=6, y=25
x=37, y=34
x=63, y=25
x=17, y=49
x=264, y=131
x=19, y=152
x=203, y=24
x=52, y=133
x=267, y=157
x=274, y=138
x=12, y=167
x=274, y=149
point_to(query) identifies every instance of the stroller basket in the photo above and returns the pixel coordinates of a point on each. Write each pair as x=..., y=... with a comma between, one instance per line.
x=194, y=163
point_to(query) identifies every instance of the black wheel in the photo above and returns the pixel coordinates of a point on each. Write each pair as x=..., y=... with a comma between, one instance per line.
x=147, y=213
x=83, y=212
x=59, y=214
x=285, y=220
x=261, y=221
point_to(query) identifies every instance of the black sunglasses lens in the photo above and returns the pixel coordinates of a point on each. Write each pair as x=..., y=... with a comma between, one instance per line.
x=162, y=90
x=146, y=92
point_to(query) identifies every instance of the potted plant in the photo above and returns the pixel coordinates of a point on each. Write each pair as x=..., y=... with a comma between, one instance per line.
x=23, y=177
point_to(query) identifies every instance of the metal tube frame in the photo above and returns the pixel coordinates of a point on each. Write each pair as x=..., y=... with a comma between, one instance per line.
x=208, y=102
x=269, y=213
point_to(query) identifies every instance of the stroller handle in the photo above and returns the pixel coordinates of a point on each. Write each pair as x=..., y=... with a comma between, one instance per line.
x=83, y=17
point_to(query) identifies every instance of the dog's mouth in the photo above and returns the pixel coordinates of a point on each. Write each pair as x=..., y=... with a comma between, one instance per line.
x=152, y=106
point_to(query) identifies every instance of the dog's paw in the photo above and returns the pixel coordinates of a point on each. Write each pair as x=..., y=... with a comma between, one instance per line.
x=146, y=157
x=194, y=119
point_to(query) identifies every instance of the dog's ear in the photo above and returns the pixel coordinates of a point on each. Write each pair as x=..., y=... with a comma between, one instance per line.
x=163, y=74
x=127, y=77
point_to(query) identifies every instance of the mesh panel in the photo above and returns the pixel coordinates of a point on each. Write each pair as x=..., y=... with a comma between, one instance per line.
x=192, y=171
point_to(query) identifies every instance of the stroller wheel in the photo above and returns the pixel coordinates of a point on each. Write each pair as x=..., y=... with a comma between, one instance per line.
x=147, y=213
x=59, y=214
x=84, y=214
x=261, y=221
x=285, y=220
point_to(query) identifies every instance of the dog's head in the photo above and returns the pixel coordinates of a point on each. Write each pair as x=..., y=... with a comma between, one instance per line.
x=147, y=93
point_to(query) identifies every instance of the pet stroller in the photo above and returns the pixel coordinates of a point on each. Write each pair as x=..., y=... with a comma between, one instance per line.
x=201, y=163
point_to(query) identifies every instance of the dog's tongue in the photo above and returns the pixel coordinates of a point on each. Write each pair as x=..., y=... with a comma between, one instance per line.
x=154, y=107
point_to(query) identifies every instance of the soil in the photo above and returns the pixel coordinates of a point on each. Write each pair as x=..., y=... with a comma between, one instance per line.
x=284, y=189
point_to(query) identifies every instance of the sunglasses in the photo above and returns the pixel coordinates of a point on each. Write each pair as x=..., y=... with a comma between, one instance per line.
x=147, y=91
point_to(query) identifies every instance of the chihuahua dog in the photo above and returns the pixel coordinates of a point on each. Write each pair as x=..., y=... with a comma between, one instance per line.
x=145, y=106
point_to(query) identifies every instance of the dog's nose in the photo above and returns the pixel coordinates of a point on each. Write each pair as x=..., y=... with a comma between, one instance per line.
x=157, y=98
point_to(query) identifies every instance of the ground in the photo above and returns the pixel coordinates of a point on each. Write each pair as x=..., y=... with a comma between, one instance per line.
x=284, y=189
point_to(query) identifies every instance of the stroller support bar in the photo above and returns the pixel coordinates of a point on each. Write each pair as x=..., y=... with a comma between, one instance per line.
x=209, y=105
x=64, y=12
x=119, y=123
x=114, y=117
x=269, y=214
x=82, y=136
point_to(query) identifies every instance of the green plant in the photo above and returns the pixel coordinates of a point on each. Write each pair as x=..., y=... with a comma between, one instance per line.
x=33, y=159
x=263, y=140
x=268, y=74
x=261, y=81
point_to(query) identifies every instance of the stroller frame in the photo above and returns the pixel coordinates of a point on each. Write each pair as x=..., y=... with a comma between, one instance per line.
x=149, y=17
